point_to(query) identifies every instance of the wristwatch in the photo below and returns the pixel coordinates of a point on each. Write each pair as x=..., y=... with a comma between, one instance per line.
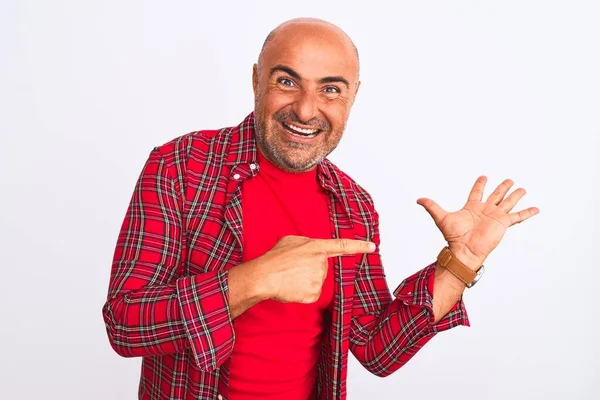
x=449, y=261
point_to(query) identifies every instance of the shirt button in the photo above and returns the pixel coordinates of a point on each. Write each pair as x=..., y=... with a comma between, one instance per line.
x=220, y=397
x=236, y=177
x=252, y=166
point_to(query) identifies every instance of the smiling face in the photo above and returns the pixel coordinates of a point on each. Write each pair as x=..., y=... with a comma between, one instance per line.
x=304, y=86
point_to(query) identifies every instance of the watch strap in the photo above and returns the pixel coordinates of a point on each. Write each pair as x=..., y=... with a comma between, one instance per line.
x=449, y=261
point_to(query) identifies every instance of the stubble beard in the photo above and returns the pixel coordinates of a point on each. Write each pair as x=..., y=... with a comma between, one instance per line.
x=271, y=145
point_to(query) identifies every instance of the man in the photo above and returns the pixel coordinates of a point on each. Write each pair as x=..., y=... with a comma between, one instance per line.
x=248, y=264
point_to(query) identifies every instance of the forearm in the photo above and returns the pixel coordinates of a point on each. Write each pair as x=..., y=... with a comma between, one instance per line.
x=447, y=288
x=447, y=291
x=246, y=288
x=155, y=320
x=145, y=322
x=385, y=335
x=385, y=342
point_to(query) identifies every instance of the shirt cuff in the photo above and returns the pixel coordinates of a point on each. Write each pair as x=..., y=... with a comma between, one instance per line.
x=204, y=302
x=417, y=291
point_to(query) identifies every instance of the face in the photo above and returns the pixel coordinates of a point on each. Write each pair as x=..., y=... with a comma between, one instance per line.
x=304, y=88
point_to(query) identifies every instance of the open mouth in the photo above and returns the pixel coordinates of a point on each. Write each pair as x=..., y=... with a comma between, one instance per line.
x=300, y=132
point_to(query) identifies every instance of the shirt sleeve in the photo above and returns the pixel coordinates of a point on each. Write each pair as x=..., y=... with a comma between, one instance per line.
x=152, y=308
x=387, y=332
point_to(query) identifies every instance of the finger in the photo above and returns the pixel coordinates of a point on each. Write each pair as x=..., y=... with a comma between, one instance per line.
x=294, y=237
x=521, y=216
x=340, y=247
x=436, y=212
x=508, y=203
x=500, y=192
x=478, y=188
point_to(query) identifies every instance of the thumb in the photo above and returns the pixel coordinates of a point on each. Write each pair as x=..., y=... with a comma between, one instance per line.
x=436, y=212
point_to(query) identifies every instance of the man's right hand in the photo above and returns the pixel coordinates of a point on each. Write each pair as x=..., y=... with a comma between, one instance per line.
x=296, y=267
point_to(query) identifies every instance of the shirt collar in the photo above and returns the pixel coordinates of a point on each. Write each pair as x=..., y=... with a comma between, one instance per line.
x=242, y=156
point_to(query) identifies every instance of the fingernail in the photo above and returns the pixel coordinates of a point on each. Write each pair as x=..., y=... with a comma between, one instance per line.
x=372, y=246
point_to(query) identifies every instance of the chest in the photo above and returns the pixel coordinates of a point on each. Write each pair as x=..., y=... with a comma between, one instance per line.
x=216, y=236
x=222, y=223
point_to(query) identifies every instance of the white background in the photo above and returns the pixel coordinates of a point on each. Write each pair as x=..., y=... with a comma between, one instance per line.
x=507, y=89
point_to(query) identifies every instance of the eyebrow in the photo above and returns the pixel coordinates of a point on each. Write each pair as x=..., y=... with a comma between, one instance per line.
x=295, y=75
x=335, y=79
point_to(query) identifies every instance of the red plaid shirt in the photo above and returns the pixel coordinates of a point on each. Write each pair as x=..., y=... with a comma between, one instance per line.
x=168, y=294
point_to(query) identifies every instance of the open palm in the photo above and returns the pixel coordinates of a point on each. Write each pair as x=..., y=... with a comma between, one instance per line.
x=479, y=226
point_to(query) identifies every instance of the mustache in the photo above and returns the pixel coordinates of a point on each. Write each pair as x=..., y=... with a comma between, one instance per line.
x=290, y=116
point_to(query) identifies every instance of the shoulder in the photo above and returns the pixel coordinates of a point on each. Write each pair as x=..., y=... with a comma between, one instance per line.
x=178, y=150
x=191, y=152
x=351, y=187
x=209, y=145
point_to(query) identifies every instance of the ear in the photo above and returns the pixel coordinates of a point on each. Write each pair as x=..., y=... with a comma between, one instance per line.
x=357, y=87
x=356, y=91
x=255, y=79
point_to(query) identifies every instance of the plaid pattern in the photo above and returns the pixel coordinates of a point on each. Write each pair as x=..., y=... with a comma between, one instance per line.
x=168, y=295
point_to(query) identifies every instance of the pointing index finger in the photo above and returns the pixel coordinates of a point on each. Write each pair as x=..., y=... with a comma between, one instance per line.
x=340, y=247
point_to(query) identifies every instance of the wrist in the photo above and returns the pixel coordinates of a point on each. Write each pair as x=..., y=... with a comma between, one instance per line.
x=262, y=287
x=465, y=256
x=255, y=287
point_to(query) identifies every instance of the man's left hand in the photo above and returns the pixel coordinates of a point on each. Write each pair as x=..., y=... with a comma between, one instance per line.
x=473, y=232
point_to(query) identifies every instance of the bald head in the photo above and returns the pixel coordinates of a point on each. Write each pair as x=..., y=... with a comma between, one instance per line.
x=317, y=26
x=305, y=83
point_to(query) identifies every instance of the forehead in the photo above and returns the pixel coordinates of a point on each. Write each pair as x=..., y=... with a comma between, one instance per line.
x=312, y=54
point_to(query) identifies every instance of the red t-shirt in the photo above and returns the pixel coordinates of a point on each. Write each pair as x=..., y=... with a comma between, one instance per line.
x=277, y=345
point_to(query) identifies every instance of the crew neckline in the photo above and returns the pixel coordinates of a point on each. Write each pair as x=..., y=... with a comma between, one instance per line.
x=270, y=169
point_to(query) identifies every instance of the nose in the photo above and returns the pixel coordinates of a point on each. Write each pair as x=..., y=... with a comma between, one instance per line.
x=305, y=106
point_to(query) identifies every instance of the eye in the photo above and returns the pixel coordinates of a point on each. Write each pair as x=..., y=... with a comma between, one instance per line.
x=287, y=82
x=332, y=89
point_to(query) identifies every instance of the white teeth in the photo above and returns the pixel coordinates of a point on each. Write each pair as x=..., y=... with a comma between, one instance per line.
x=301, y=130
